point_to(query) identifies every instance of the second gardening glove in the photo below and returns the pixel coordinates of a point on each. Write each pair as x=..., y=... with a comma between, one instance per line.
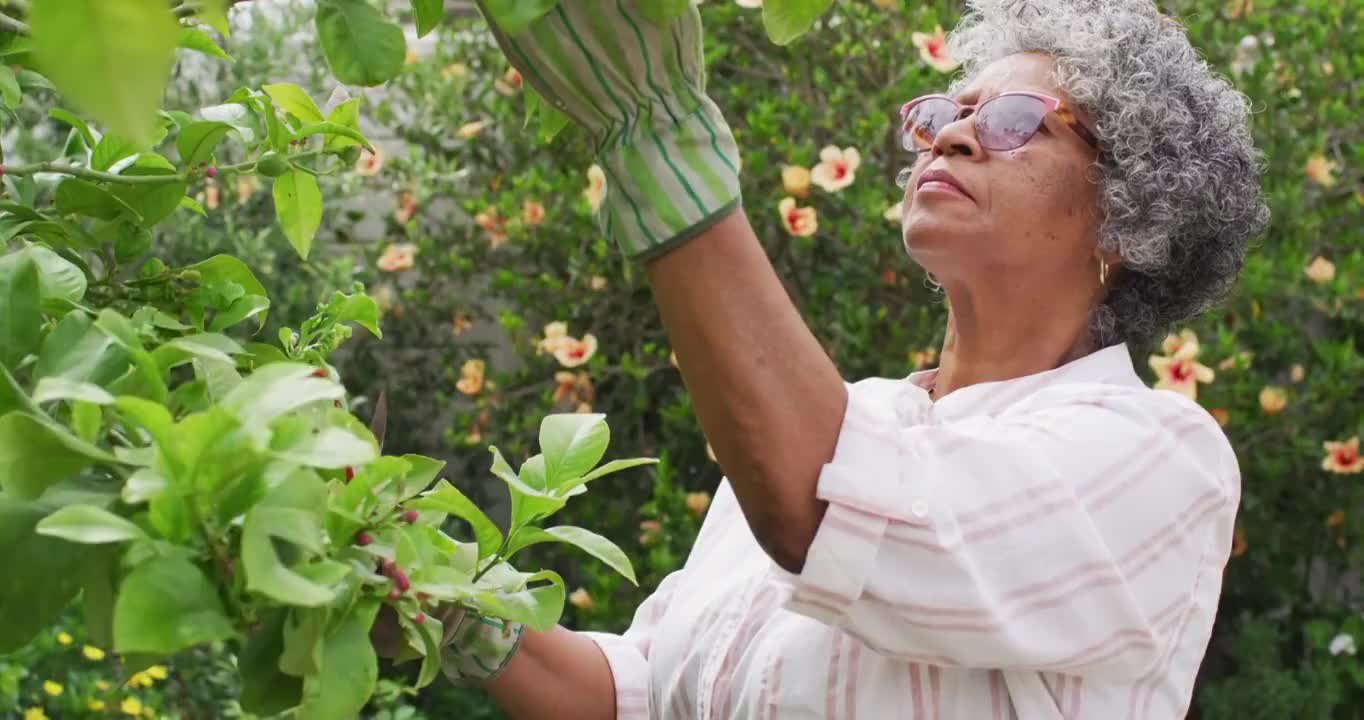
x=636, y=84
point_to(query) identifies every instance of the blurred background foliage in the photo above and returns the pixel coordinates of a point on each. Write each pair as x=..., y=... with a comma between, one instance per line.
x=474, y=238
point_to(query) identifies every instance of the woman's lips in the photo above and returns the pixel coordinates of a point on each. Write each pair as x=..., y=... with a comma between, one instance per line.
x=938, y=186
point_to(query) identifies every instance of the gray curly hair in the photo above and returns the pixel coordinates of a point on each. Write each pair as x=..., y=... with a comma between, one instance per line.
x=1178, y=174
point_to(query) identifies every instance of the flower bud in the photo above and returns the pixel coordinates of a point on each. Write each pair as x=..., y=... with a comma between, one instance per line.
x=410, y=516
x=363, y=539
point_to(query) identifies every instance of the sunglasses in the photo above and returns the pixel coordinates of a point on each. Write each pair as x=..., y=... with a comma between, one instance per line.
x=1004, y=122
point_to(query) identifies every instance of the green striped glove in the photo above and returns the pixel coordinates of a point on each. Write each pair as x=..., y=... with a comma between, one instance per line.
x=477, y=648
x=639, y=90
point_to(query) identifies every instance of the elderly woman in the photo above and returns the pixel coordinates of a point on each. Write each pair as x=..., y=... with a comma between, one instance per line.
x=1028, y=530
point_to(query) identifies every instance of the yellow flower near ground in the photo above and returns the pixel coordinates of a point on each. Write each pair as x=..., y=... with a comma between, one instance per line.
x=102, y=685
x=64, y=638
x=933, y=49
x=158, y=672
x=35, y=713
x=1273, y=399
x=580, y=599
x=131, y=706
x=471, y=377
x=1321, y=271
x=92, y=653
x=796, y=180
x=140, y=679
x=52, y=688
x=698, y=502
x=96, y=705
x=1321, y=171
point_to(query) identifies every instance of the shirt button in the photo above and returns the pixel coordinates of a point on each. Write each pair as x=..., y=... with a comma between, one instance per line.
x=919, y=508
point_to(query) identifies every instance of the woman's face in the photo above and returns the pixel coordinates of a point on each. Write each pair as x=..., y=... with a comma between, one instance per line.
x=1028, y=213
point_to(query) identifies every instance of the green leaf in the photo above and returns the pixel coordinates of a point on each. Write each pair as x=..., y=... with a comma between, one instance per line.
x=279, y=388
x=303, y=630
x=195, y=39
x=166, y=605
x=211, y=346
x=612, y=467
x=35, y=453
x=75, y=122
x=361, y=46
x=347, y=114
x=111, y=148
x=448, y=499
x=86, y=420
x=538, y=608
x=266, y=690
x=10, y=92
x=429, y=14
x=265, y=526
x=213, y=13
x=243, y=308
x=514, y=16
x=20, y=320
x=97, y=578
x=331, y=129
x=143, y=485
x=298, y=202
x=60, y=283
x=786, y=20
x=293, y=100
x=152, y=202
x=225, y=268
x=79, y=351
x=192, y=205
x=197, y=141
x=585, y=540
x=349, y=669
x=358, y=308
x=572, y=443
x=60, y=388
x=112, y=59
x=78, y=196
x=34, y=594
x=89, y=525
x=331, y=448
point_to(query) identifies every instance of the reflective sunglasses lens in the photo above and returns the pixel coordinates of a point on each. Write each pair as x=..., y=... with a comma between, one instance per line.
x=1009, y=121
x=924, y=121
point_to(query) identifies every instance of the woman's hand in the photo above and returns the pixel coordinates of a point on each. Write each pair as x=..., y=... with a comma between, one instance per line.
x=638, y=89
x=474, y=649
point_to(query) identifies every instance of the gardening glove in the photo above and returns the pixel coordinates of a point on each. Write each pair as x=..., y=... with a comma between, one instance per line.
x=476, y=649
x=638, y=89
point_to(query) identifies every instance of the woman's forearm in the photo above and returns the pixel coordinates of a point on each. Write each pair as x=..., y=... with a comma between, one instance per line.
x=768, y=397
x=558, y=674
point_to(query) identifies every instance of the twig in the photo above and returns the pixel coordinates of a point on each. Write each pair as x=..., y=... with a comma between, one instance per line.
x=83, y=172
x=9, y=23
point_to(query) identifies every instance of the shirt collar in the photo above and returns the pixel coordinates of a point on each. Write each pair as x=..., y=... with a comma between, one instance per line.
x=1111, y=365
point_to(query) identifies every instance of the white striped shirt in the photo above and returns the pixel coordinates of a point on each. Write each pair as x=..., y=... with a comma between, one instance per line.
x=1040, y=548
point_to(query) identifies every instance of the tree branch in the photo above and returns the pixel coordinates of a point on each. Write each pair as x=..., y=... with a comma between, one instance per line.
x=87, y=173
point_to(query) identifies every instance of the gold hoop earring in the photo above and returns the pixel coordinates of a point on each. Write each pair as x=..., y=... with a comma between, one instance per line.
x=1103, y=271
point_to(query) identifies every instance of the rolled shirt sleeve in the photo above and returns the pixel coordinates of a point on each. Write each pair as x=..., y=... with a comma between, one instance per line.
x=628, y=654
x=1069, y=533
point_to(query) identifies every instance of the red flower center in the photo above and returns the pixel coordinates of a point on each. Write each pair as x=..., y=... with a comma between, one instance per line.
x=840, y=171
x=793, y=219
x=935, y=47
x=1347, y=457
x=577, y=352
x=1181, y=371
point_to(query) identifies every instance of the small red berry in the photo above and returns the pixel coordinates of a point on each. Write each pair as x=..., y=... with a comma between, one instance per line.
x=395, y=594
x=363, y=539
x=410, y=516
x=400, y=580
x=350, y=474
x=387, y=567
x=320, y=373
x=420, y=618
